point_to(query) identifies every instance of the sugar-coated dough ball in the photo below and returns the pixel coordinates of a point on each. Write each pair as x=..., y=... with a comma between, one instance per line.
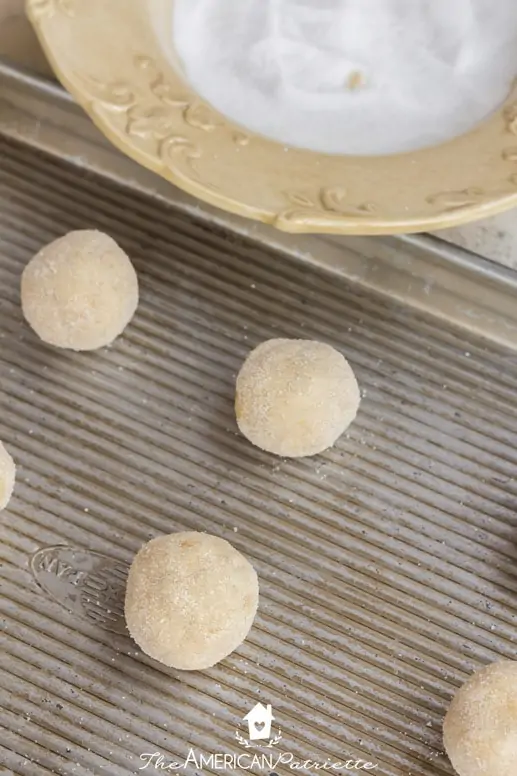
x=480, y=728
x=191, y=599
x=80, y=291
x=7, y=476
x=295, y=397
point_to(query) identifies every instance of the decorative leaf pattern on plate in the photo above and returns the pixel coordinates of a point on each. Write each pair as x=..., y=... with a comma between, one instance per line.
x=329, y=205
x=241, y=138
x=510, y=154
x=117, y=96
x=451, y=201
x=177, y=146
x=149, y=121
x=200, y=116
x=510, y=115
x=167, y=95
x=156, y=112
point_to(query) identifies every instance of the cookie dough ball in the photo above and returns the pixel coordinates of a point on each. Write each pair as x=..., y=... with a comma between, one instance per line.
x=295, y=397
x=480, y=728
x=7, y=476
x=191, y=599
x=80, y=291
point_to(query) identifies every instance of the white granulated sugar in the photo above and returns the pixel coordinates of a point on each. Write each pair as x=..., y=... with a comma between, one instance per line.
x=350, y=76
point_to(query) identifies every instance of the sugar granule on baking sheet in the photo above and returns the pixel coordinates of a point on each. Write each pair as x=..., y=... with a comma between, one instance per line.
x=350, y=76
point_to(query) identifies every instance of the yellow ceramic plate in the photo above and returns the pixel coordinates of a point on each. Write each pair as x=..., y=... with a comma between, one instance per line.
x=115, y=57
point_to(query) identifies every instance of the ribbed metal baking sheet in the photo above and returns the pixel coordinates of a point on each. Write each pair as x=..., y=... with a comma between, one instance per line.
x=387, y=565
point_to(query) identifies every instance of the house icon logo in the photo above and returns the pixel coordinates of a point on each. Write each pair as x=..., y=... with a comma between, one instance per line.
x=259, y=721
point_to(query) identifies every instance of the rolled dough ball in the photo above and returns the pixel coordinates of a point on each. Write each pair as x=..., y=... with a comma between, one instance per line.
x=480, y=728
x=80, y=291
x=7, y=476
x=295, y=397
x=191, y=599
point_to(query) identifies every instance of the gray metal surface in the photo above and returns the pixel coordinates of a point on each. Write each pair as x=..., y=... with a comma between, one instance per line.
x=387, y=565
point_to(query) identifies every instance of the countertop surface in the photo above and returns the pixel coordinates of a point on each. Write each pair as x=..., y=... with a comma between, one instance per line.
x=494, y=238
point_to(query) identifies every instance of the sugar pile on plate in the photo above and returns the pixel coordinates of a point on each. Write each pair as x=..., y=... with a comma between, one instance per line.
x=350, y=76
